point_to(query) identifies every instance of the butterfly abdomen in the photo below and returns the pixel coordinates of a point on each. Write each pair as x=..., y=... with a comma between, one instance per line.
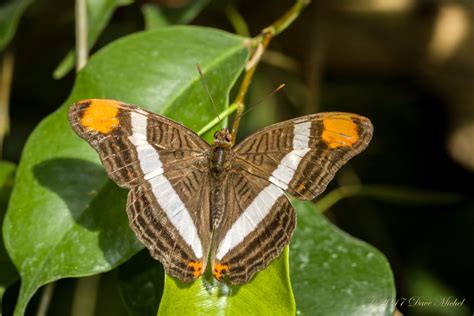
x=220, y=162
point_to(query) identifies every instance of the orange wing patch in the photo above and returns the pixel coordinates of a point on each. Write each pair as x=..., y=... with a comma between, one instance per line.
x=219, y=270
x=100, y=116
x=197, y=267
x=340, y=131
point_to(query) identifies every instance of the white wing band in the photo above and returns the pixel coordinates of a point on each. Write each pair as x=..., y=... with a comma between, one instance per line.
x=165, y=195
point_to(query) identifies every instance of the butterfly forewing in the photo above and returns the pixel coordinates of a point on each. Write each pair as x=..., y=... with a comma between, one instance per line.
x=302, y=155
x=166, y=167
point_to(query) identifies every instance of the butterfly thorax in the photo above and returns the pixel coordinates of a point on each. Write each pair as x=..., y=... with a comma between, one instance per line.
x=220, y=163
x=221, y=154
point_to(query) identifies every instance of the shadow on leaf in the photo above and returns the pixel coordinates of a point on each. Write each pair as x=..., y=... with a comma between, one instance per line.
x=102, y=211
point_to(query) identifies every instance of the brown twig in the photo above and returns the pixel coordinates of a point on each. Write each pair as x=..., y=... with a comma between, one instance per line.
x=46, y=297
x=6, y=76
x=81, y=34
x=261, y=43
x=85, y=296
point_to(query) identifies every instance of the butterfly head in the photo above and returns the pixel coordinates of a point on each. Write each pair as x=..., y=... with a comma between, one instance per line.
x=223, y=138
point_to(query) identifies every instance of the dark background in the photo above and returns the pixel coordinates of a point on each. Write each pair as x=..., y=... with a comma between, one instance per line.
x=407, y=65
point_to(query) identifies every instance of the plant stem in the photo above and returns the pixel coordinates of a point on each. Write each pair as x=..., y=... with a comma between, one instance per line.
x=85, y=296
x=6, y=76
x=261, y=43
x=46, y=297
x=393, y=194
x=81, y=34
x=237, y=21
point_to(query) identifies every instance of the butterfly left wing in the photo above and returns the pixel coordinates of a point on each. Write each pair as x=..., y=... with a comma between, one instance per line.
x=165, y=166
x=174, y=230
x=302, y=155
x=128, y=139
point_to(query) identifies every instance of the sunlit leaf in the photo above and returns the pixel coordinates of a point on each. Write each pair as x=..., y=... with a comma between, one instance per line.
x=268, y=293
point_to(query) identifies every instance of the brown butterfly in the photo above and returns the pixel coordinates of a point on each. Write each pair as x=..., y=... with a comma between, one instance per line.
x=193, y=204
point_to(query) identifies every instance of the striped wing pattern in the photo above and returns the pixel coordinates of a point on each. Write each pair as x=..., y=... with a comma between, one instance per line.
x=299, y=156
x=259, y=223
x=302, y=155
x=167, y=169
x=145, y=152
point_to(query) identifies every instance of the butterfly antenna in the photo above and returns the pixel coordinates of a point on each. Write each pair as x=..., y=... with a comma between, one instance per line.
x=265, y=98
x=206, y=88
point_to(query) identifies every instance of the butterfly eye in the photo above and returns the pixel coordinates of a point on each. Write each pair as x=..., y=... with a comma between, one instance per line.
x=228, y=137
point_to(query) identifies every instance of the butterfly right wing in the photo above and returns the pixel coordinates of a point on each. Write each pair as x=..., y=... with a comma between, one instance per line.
x=165, y=166
x=258, y=225
x=302, y=155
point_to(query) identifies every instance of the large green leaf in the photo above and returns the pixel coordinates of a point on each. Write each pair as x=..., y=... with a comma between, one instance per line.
x=99, y=13
x=10, y=13
x=65, y=218
x=333, y=273
x=8, y=272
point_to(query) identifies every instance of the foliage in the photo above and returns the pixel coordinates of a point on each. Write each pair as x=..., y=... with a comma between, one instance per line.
x=10, y=13
x=66, y=219
x=8, y=272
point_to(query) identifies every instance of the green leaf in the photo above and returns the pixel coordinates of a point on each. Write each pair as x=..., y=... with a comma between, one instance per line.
x=8, y=272
x=65, y=219
x=269, y=293
x=333, y=273
x=141, y=282
x=160, y=16
x=99, y=13
x=10, y=14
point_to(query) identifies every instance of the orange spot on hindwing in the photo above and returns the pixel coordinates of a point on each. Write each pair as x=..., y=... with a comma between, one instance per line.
x=219, y=270
x=339, y=131
x=100, y=116
x=197, y=268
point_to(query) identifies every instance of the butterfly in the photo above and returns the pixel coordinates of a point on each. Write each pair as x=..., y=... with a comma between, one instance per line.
x=193, y=204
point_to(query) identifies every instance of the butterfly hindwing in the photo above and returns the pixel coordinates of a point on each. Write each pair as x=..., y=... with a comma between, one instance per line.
x=167, y=229
x=166, y=167
x=302, y=155
x=259, y=223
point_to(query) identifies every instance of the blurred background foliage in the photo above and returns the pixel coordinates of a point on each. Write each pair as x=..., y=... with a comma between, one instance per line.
x=407, y=65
